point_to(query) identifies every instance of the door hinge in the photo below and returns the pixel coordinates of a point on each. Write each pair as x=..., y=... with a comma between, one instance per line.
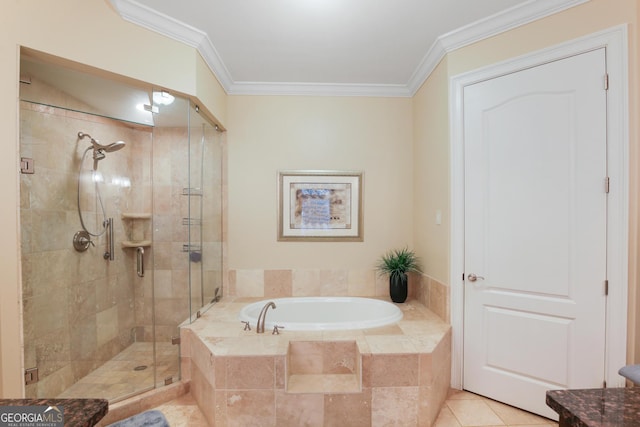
x=175, y=340
x=30, y=376
x=607, y=185
x=606, y=82
x=26, y=165
x=606, y=287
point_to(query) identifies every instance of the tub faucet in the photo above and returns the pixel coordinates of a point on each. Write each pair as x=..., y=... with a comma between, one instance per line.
x=263, y=315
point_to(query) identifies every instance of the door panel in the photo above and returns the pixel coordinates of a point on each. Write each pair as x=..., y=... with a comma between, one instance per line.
x=535, y=231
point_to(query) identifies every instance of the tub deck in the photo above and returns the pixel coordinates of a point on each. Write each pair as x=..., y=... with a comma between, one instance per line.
x=399, y=372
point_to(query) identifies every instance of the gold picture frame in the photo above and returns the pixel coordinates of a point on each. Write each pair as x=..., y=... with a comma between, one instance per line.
x=320, y=206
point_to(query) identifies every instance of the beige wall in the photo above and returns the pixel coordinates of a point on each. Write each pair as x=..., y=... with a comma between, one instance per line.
x=431, y=134
x=90, y=33
x=431, y=173
x=271, y=133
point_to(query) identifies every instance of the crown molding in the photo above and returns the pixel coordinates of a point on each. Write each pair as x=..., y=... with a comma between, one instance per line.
x=319, y=89
x=506, y=20
x=516, y=16
x=153, y=20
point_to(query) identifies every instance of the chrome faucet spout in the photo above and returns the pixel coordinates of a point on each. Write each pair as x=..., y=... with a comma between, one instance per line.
x=263, y=315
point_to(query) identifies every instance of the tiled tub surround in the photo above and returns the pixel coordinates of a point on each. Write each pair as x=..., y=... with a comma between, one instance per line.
x=393, y=375
x=319, y=282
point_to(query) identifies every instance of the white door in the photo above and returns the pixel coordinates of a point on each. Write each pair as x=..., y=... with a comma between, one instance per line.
x=535, y=231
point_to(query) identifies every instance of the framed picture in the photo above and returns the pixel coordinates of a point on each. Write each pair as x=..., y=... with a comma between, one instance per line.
x=320, y=206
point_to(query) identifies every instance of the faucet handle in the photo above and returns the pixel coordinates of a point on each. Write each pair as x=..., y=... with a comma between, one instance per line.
x=247, y=326
x=276, y=329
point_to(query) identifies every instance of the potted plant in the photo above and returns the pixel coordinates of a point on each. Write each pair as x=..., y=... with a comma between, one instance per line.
x=397, y=263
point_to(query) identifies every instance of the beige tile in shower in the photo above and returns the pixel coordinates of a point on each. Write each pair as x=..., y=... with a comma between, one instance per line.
x=117, y=377
x=162, y=283
x=179, y=284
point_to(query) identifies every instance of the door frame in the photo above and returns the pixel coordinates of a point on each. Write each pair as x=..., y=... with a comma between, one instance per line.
x=615, y=42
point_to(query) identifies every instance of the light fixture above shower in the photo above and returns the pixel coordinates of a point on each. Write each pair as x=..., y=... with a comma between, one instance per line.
x=163, y=97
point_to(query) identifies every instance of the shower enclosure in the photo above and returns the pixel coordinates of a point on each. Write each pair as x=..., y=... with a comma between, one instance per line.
x=121, y=230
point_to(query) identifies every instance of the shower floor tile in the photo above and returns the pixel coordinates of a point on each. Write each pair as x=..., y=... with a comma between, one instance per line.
x=117, y=378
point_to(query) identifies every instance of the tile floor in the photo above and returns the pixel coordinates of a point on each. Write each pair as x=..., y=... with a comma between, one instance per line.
x=117, y=378
x=461, y=409
x=467, y=409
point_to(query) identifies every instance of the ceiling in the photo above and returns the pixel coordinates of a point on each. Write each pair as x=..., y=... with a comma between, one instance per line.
x=341, y=47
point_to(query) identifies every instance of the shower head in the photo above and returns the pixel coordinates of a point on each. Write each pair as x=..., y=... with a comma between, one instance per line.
x=114, y=146
x=99, y=150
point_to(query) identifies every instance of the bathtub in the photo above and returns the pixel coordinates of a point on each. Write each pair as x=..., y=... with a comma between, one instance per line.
x=323, y=313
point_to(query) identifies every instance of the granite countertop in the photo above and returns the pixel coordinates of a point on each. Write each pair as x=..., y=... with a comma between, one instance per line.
x=601, y=407
x=77, y=412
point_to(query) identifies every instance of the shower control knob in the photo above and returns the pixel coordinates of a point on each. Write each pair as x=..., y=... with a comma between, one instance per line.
x=82, y=240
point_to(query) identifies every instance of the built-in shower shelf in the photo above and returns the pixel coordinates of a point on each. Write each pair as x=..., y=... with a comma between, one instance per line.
x=136, y=244
x=138, y=229
x=134, y=215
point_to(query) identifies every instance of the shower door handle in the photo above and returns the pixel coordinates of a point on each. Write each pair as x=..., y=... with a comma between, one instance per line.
x=140, y=259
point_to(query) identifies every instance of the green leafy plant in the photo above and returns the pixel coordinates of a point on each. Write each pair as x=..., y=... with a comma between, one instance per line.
x=398, y=261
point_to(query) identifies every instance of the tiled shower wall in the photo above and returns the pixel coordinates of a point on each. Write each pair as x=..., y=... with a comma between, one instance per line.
x=315, y=282
x=78, y=308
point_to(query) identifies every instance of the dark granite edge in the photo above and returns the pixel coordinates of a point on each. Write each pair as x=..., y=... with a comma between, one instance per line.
x=77, y=412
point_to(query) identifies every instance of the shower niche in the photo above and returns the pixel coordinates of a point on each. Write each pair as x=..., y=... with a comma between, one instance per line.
x=112, y=160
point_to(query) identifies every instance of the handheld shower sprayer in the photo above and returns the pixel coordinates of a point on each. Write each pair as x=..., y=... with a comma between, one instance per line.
x=99, y=150
x=82, y=240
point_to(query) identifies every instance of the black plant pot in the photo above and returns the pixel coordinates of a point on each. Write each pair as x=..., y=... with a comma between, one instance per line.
x=398, y=287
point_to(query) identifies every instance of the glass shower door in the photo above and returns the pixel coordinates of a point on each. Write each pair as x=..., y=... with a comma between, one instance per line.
x=80, y=294
x=205, y=212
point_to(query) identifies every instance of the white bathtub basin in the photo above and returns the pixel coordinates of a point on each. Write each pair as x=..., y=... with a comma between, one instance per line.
x=323, y=313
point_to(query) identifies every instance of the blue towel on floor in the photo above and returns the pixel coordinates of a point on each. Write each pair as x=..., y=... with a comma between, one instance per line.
x=145, y=419
x=631, y=372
